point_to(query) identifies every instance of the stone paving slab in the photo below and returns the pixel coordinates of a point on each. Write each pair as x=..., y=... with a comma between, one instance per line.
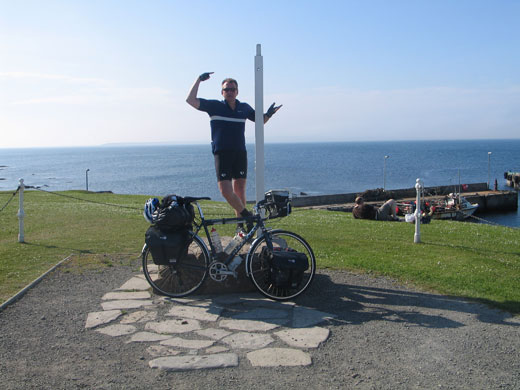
x=232, y=299
x=262, y=314
x=173, y=326
x=187, y=344
x=135, y=284
x=101, y=318
x=279, y=357
x=139, y=316
x=251, y=325
x=161, y=350
x=184, y=363
x=304, y=317
x=115, y=295
x=126, y=304
x=147, y=337
x=209, y=313
x=117, y=330
x=246, y=340
x=257, y=300
x=212, y=333
x=304, y=337
x=217, y=349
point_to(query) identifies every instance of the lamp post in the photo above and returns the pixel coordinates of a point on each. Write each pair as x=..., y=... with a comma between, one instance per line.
x=489, y=170
x=384, y=174
x=86, y=177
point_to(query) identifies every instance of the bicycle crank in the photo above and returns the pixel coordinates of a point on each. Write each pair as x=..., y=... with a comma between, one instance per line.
x=219, y=271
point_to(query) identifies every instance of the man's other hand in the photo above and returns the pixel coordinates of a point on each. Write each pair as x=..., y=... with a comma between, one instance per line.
x=272, y=110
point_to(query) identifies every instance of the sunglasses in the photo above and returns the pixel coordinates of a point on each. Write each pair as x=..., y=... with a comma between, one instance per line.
x=229, y=89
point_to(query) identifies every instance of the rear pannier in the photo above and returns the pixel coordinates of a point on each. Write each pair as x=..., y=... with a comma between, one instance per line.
x=167, y=247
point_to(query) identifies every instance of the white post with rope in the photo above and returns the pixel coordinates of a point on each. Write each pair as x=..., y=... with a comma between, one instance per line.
x=21, y=213
x=418, y=188
x=259, y=124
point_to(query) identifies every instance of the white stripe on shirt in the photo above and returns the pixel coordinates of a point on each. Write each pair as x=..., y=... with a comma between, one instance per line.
x=223, y=118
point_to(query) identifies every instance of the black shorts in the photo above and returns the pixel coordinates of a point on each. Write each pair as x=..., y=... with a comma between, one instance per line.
x=231, y=165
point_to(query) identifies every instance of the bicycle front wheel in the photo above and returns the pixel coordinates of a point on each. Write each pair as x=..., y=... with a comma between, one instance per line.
x=181, y=279
x=259, y=267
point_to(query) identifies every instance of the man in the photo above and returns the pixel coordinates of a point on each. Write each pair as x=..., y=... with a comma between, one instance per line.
x=387, y=212
x=227, y=120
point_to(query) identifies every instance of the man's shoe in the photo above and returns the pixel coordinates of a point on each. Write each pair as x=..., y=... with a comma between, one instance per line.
x=249, y=220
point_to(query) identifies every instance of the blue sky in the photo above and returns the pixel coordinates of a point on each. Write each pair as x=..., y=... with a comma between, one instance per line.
x=76, y=73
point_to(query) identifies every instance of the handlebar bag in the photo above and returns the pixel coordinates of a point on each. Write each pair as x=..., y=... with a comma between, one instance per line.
x=278, y=203
x=167, y=247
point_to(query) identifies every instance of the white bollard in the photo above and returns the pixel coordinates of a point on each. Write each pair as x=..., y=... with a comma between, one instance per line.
x=21, y=213
x=418, y=188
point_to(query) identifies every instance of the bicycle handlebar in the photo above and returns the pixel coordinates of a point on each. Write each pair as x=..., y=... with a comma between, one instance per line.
x=190, y=199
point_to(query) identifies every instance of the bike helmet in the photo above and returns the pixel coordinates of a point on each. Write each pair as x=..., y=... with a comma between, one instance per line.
x=149, y=208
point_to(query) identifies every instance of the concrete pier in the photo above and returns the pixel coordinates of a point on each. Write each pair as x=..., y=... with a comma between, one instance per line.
x=488, y=201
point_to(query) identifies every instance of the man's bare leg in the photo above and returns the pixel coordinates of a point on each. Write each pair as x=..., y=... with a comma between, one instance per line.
x=239, y=188
x=226, y=189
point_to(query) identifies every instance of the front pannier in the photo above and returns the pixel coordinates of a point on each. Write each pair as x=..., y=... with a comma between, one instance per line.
x=167, y=247
x=286, y=267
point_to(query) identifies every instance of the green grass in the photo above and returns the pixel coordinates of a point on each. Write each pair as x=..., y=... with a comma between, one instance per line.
x=468, y=260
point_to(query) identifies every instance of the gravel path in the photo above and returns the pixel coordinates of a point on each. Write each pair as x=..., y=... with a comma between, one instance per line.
x=384, y=336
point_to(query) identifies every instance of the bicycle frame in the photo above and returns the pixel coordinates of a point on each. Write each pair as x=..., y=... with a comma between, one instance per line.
x=258, y=226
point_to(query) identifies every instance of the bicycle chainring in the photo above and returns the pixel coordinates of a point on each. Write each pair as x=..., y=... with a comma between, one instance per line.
x=215, y=271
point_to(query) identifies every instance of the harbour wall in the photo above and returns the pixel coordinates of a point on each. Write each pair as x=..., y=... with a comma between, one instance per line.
x=475, y=193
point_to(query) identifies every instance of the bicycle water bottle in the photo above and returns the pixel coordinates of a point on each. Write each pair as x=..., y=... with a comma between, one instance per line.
x=233, y=243
x=215, y=238
x=235, y=263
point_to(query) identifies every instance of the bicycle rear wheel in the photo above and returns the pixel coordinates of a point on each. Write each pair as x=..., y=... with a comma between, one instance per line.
x=181, y=279
x=259, y=268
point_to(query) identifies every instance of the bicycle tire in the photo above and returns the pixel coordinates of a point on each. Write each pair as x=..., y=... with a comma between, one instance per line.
x=181, y=279
x=259, y=269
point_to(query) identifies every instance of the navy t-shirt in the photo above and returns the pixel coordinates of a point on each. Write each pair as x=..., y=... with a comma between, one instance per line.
x=227, y=126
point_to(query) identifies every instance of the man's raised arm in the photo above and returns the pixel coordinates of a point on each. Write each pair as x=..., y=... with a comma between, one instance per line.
x=192, y=98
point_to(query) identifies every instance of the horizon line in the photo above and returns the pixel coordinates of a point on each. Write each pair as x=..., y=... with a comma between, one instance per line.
x=171, y=143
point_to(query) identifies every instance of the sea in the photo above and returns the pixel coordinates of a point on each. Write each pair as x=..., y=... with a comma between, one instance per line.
x=303, y=168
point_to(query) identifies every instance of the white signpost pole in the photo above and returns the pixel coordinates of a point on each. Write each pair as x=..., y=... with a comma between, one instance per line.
x=259, y=123
x=417, y=235
x=21, y=213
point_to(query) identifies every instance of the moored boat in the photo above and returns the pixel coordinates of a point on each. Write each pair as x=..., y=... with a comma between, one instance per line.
x=512, y=179
x=452, y=206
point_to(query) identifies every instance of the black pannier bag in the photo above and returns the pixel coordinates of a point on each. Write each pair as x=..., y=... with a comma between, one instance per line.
x=173, y=214
x=167, y=247
x=286, y=267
